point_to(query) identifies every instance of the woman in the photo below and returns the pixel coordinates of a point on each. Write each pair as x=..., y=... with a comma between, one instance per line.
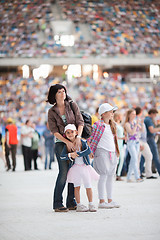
x=121, y=138
x=59, y=116
x=132, y=128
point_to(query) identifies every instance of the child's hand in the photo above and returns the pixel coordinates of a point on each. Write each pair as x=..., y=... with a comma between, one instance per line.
x=141, y=147
x=74, y=155
x=91, y=155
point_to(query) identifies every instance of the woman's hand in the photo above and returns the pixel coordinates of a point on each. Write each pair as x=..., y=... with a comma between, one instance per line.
x=70, y=146
x=77, y=144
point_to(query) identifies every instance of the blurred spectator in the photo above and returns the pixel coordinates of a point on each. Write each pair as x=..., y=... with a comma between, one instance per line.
x=35, y=145
x=151, y=132
x=95, y=117
x=145, y=149
x=26, y=140
x=121, y=138
x=1, y=149
x=132, y=129
x=49, y=147
x=11, y=142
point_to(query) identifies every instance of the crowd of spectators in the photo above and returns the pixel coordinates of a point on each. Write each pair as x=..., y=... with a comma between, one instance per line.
x=116, y=27
x=112, y=89
x=23, y=99
x=26, y=30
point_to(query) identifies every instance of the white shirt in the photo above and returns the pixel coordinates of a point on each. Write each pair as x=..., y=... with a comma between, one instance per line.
x=79, y=160
x=107, y=140
x=26, y=141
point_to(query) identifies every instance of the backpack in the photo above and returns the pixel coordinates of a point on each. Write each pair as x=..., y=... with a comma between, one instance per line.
x=87, y=129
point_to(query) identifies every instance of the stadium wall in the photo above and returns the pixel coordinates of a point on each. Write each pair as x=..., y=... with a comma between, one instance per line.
x=117, y=61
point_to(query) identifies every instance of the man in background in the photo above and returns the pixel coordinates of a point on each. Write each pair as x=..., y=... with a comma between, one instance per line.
x=152, y=130
x=11, y=142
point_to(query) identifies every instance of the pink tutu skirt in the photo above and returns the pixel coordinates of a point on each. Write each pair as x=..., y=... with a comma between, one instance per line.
x=79, y=174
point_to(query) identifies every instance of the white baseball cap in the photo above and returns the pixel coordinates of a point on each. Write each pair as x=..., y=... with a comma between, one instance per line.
x=106, y=107
x=70, y=127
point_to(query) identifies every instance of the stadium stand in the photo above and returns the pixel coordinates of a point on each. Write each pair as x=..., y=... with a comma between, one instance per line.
x=108, y=33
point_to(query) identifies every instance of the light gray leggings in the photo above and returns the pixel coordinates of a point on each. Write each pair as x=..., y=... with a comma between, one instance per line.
x=105, y=185
x=105, y=163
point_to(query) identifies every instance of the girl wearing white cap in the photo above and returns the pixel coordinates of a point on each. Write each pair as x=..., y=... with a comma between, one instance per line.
x=81, y=170
x=104, y=147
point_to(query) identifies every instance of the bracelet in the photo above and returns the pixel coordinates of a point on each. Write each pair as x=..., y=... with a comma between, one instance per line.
x=69, y=155
x=78, y=136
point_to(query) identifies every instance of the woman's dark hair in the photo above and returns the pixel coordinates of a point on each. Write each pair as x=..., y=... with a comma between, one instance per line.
x=52, y=93
x=138, y=110
x=27, y=121
x=152, y=110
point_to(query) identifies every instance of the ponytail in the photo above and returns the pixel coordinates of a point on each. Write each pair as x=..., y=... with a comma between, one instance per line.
x=114, y=132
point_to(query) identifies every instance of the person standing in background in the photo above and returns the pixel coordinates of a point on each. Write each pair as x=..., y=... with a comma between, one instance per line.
x=120, y=139
x=1, y=149
x=34, y=147
x=151, y=133
x=145, y=149
x=49, y=147
x=26, y=138
x=11, y=142
x=133, y=128
x=95, y=117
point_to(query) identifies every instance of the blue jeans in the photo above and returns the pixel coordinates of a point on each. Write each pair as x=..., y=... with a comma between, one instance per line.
x=133, y=149
x=142, y=162
x=154, y=149
x=49, y=150
x=61, y=181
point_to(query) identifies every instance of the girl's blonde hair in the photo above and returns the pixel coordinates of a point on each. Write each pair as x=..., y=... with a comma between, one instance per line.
x=128, y=114
x=127, y=119
x=117, y=116
x=114, y=132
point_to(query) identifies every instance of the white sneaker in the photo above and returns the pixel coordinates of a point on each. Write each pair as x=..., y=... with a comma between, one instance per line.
x=105, y=205
x=81, y=208
x=139, y=180
x=129, y=181
x=92, y=208
x=113, y=204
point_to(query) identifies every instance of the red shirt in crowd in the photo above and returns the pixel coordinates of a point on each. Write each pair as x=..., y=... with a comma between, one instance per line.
x=12, y=129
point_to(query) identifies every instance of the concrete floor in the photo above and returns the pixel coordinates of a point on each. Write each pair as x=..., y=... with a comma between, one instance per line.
x=26, y=209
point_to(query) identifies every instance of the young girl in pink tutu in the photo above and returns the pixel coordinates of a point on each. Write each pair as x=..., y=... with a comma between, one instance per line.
x=81, y=170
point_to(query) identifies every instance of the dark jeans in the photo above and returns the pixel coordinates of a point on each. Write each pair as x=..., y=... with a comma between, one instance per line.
x=49, y=150
x=154, y=150
x=61, y=181
x=13, y=150
x=142, y=161
x=27, y=156
x=34, y=153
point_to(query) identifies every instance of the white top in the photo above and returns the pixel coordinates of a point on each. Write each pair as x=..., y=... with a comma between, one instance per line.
x=26, y=141
x=79, y=160
x=107, y=140
x=120, y=134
